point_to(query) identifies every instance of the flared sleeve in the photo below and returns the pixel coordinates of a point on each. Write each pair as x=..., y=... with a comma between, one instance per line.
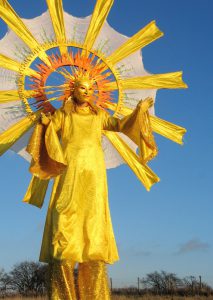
x=138, y=128
x=45, y=148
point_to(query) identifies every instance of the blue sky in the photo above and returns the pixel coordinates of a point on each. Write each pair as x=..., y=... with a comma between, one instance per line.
x=170, y=227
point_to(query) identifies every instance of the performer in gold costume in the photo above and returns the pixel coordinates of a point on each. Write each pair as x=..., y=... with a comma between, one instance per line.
x=66, y=143
x=78, y=226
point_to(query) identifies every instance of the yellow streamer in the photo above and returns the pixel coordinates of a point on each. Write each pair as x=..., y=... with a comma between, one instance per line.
x=143, y=172
x=99, y=16
x=167, y=129
x=144, y=37
x=10, y=64
x=12, y=95
x=57, y=16
x=15, y=132
x=36, y=192
x=158, y=81
x=8, y=14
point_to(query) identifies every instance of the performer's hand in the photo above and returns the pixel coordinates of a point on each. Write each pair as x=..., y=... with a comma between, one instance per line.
x=45, y=120
x=145, y=104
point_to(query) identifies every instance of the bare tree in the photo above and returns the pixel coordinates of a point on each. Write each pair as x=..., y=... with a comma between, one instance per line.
x=5, y=283
x=161, y=282
x=29, y=278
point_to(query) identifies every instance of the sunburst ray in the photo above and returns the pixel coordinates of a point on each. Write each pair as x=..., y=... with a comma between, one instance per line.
x=57, y=16
x=13, y=65
x=158, y=81
x=13, y=95
x=99, y=16
x=8, y=14
x=145, y=36
x=143, y=172
x=167, y=129
x=16, y=131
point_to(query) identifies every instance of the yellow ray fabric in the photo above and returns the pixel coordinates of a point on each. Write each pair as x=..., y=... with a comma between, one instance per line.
x=7, y=96
x=36, y=192
x=45, y=149
x=13, y=95
x=145, y=36
x=143, y=172
x=167, y=129
x=138, y=128
x=57, y=16
x=8, y=14
x=15, y=132
x=10, y=64
x=158, y=81
x=99, y=16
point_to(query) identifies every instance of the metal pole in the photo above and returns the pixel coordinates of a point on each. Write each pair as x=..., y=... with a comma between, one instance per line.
x=200, y=285
x=138, y=285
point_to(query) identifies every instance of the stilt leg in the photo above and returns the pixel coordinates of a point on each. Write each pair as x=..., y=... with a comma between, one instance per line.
x=61, y=281
x=93, y=281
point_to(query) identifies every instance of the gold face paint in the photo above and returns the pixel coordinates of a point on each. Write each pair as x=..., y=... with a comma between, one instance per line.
x=83, y=91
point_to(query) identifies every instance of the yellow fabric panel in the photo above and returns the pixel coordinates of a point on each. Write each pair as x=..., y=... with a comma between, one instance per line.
x=158, y=81
x=145, y=36
x=12, y=95
x=99, y=16
x=15, y=132
x=45, y=149
x=7, y=96
x=10, y=64
x=143, y=172
x=8, y=14
x=57, y=16
x=36, y=192
x=160, y=126
x=167, y=129
x=137, y=127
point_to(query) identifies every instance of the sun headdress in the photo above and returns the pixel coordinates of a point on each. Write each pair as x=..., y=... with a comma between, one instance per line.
x=63, y=45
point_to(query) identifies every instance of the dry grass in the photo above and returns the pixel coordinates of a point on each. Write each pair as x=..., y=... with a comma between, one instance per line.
x=136, y=298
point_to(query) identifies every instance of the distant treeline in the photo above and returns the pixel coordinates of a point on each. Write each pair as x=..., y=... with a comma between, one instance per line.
x=31, y=279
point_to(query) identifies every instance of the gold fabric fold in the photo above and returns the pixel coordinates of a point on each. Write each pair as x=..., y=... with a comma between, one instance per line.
x=15, y=132
x=142, y=38
x=47, y=156
x=143, y=172
x=36, y=192
x=138, y=128
x=99, y=16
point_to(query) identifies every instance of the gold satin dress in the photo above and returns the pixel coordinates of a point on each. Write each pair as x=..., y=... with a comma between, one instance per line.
x=78, y=224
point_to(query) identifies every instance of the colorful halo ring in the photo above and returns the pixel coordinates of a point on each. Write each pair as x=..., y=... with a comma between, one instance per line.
x=40, y=76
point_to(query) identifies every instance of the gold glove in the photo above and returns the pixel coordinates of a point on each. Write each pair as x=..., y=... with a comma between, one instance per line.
x=145, y=104
x=45, y=119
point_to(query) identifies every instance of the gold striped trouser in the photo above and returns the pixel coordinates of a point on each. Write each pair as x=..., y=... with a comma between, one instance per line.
x=91, y=282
